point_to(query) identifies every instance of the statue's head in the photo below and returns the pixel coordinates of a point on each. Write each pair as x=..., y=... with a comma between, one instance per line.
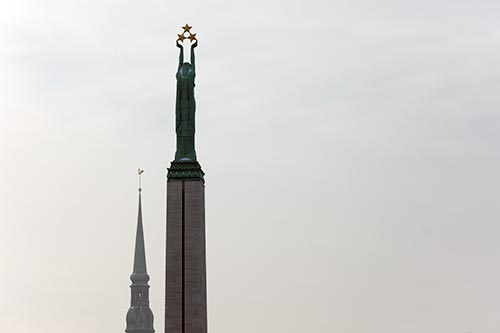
x=185, y=69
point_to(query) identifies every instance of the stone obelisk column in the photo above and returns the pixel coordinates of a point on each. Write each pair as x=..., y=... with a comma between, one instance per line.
x=186, y=303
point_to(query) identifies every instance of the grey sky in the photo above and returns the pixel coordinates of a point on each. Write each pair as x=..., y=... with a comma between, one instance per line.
x=351, y=151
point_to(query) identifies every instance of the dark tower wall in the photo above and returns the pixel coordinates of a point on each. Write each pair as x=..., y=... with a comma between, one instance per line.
x=186, y=301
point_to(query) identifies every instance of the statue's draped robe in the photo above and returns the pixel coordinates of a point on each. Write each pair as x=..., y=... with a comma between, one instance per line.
x=185, y=109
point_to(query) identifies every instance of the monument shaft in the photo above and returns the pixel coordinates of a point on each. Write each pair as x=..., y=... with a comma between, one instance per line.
x=186, y=304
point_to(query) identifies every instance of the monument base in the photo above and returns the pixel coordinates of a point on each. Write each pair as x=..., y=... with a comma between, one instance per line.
x=186, y=170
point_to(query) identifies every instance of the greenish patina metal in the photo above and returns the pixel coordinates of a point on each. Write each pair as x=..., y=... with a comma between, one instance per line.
x=185, y=170
x=185, y=107
x=185, y=165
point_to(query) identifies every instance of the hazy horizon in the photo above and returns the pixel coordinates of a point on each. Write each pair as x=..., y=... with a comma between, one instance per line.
x=351, y=152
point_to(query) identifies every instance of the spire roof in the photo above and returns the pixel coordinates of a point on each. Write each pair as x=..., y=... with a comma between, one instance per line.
x=140, y=273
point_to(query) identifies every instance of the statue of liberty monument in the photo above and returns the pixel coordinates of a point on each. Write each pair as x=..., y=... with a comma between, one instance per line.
x=185, y=104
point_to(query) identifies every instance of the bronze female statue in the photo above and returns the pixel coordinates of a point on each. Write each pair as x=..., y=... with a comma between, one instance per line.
x=185, y=107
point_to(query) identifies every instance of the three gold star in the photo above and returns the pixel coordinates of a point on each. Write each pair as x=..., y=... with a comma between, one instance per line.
x=187, y=29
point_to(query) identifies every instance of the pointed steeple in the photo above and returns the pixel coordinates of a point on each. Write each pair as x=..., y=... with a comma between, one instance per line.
x=139, y=315
x=140, y=273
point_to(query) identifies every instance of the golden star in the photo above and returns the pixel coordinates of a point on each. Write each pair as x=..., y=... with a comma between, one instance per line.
x=192, y=37
x=186, y=28
x=181, y=37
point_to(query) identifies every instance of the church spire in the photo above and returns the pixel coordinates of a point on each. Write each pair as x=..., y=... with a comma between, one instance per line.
x=139, y=274
x=139, y=315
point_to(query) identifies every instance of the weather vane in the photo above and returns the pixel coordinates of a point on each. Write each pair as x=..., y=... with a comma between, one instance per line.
x=186, y=34
x=140, y=172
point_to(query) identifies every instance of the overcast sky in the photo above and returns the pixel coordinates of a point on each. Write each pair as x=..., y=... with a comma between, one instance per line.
x=351, y=151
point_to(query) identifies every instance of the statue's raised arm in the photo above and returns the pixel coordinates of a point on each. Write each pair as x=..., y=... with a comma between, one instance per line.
x=193, y=45
x=185, y=103
x=181, y=54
